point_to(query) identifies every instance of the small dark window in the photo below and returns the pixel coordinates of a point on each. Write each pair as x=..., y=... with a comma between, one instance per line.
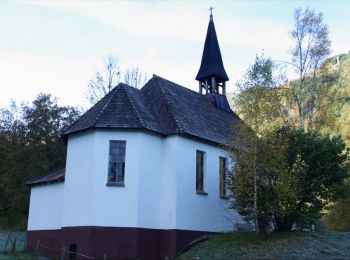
x=72, y=251
x=199, y=171
x=116, y=169
x=222, y=173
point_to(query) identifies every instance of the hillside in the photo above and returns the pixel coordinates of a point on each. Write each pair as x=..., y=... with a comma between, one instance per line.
x=342, y=127
x=333, y=101
x=334, y=78
x=305, y=245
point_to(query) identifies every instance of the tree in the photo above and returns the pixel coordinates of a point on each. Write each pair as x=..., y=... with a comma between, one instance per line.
x=12, y=157
x=45, y=121
x=260, y=98
x=331, y=113
x=30, y=145
x=258, y=101
x=105, y=80
x=110, y=76
x=311, y=47
x=134, y=77
x=298, y=174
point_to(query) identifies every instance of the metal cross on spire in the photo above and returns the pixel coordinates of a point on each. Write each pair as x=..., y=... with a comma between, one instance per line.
x=211, y=11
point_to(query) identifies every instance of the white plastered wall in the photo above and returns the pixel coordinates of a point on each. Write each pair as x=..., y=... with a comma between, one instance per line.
x=168, y=184
x=45, y=207
x=88, y=200
x=197, y=211
x=159, y=192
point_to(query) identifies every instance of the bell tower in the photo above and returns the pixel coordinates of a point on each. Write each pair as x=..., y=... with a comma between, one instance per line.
x=212, y=76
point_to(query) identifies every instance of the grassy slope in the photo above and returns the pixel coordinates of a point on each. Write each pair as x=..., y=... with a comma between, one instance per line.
x=307, y=245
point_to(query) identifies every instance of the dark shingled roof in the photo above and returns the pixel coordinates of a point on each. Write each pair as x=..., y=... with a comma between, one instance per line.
x=212, y=64
x=52, y=177
x=123, y=107
x=162, y=107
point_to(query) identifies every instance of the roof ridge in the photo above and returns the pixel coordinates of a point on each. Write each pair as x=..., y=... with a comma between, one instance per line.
x=172, y=82
x=136, y=112
x=177, y=84
x=112, y=93
x=178, y=124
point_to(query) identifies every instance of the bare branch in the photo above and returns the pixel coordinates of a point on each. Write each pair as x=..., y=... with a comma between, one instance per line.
x=109, y=77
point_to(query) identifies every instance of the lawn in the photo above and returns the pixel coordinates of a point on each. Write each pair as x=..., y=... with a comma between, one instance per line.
x=292, y=245
x=7, y=239
x=17, y=256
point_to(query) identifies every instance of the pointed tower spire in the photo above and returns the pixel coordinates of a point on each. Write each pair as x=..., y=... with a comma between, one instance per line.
x=212, y=75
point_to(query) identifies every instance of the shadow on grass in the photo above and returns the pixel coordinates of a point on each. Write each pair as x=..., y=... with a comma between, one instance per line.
x=246, y=245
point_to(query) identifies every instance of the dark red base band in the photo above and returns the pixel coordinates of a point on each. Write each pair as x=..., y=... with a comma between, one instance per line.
x=110, y=242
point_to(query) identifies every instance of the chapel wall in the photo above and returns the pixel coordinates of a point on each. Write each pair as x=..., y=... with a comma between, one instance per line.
x=197, y=211
x=45, y=207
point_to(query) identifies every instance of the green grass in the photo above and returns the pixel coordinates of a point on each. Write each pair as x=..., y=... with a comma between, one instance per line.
x=20, y=240
x=17, y=256
x=291, y=245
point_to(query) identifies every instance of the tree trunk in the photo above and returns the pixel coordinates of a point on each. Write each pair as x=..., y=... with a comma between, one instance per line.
x=311, y=113
x=301, y=116
x=255, y=182
x=283, y=225
x=257, y=111
x=284, y=228
x=255, y=195
x=264, y=224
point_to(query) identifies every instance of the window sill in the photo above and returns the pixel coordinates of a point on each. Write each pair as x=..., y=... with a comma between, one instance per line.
x=115, y=184
x=224, y=197
x=200, y=192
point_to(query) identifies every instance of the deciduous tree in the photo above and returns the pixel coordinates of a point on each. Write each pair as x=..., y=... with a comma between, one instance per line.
x=299, y=173
x=110, y=76
x=311, y=48
x=30, y=145
x=258, y=102
x=104, y=80
x=134, y=77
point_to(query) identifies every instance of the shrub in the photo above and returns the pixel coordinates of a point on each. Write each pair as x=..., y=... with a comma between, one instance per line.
x=338, y=216
x=298, y=174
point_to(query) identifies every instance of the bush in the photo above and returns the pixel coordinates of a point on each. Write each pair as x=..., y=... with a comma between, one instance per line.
x=338, y=217
x=298, y=173
x=13, y=220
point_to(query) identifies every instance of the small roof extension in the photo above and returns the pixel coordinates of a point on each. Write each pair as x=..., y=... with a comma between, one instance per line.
x=52, y=177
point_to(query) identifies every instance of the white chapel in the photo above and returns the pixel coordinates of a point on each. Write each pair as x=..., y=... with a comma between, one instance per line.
x=145, y=170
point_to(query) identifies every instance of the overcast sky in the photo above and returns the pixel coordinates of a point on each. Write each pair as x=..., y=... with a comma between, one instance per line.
x=56, y=46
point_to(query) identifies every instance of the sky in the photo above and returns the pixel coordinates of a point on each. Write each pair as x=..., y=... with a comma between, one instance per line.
x=57, y=46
